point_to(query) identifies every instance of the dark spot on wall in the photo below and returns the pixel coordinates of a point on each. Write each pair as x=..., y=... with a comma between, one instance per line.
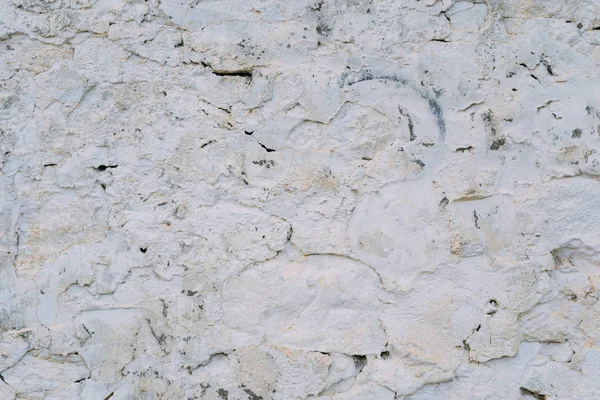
x=317, y=6
x=385, y=355
x=251, y=395
x=249, y=133
x=489, y=122
x=207, y=143
x=436, y=110
x=323, y=29
x=223, y=394
x=143, y=249
x=496, y=144
x=265, y=163
x=576, y=133
x=443, y=203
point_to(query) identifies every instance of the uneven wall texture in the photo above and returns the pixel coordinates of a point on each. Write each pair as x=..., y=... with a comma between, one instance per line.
x=301, y=199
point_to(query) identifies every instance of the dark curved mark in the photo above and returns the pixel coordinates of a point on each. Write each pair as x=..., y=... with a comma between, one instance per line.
x=351, y=78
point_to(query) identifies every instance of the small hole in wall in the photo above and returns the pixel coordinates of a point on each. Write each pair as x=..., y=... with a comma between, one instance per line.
x=385, y=355
x=360, y=362
x=143, y=249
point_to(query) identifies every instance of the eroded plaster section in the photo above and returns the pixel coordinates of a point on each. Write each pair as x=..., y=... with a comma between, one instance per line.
x=307, y=199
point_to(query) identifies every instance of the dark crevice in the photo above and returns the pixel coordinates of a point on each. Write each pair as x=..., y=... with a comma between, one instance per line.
x=240, y=73
x=104, y=167
x=266, y=148
x=463, y=149
x=466, y=345
x=535, y=395
x=87, y=330
x=548, y=67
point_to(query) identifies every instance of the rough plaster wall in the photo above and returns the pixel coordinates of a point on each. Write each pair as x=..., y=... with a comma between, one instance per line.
x=331, y=199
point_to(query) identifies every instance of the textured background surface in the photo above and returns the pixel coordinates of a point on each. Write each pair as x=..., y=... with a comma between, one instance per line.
x=331, y=199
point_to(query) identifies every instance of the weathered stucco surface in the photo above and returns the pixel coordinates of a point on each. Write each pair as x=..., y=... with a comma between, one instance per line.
x=301, y=199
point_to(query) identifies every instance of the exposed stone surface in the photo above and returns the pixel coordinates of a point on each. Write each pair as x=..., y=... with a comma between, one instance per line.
x=304, y=199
